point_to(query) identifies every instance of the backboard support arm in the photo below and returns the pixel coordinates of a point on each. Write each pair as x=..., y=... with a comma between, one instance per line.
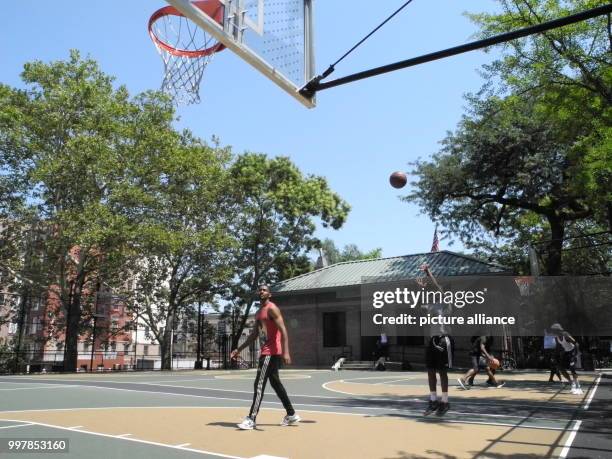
x=316, y=84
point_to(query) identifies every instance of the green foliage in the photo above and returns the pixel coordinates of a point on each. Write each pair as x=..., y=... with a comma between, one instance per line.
x=185, y=242
x=118, y=196
x=112, y=186
x=350, y=252
x=532, y=156
x=273, y=220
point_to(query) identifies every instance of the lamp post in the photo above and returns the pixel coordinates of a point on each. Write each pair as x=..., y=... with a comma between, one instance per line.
x=136, y=338
x=198, y=364
x=96, y=316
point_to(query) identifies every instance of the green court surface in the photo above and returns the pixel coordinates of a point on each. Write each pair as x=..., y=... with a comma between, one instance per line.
x=344, y=414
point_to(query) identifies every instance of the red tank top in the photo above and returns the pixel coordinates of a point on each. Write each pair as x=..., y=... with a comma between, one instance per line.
x=269, y=334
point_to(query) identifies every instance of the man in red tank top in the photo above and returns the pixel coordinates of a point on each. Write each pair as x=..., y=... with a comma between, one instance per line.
x=271, y=328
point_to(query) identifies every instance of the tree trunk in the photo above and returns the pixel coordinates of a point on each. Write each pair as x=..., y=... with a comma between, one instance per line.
x=166, y=344
x=553, y=261
x=72, y=331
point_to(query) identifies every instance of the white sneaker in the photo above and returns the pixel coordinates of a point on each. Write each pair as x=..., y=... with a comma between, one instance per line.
x=247, y=424
x=463, y=384
x=290, y=420
x=573, y=390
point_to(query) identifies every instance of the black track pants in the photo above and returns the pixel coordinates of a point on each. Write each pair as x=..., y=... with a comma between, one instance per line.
x=268, y=369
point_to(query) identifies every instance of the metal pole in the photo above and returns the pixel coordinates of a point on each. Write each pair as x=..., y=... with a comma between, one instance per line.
x=68, y=319
x=136, y=340
x=93, y=341
x=315, y=85
x=171, y=345
x=93, y=344
x=199, y=349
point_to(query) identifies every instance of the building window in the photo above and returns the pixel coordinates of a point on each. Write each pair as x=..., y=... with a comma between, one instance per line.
x=36, y=303
x=334, y=329
x=34, y=327
x=145, y=350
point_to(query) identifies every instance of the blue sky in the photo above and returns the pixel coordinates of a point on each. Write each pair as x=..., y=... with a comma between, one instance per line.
x=356, y=136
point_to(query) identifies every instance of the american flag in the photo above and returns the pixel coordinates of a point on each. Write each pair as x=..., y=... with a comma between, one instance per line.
x=435, y=246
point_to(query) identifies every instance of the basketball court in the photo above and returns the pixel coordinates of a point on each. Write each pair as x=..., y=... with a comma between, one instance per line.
x=361, y=414
x=344, y=414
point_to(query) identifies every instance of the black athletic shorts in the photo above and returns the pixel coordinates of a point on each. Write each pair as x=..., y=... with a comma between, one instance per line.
x=479, y=362
x=568, y=360
x=439, y=353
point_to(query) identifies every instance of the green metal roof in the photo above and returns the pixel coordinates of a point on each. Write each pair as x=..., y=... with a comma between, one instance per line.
x=442, y=264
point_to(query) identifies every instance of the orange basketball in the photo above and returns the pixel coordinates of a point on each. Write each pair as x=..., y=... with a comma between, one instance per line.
x=398, y=179
x=494, y=364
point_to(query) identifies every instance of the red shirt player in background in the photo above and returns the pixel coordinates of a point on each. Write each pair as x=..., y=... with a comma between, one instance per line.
x=269, y=322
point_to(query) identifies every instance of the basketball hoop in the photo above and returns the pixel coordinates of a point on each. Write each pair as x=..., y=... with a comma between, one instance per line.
x=524, y=284
x=185, y=48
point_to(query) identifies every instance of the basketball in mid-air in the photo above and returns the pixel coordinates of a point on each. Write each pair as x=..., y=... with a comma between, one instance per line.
x=398, y=179
x=494, y=364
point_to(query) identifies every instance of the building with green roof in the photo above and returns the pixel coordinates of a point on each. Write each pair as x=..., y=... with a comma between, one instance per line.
x=322, y=308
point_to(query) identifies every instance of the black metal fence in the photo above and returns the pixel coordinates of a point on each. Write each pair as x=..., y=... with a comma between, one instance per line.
x=115, y=361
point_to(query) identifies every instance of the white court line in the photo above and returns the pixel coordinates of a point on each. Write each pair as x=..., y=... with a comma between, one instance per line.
x=279, y=403
x=249, y=377
x=570, y=439
x=127, y=374
x=417, y=415
x=590, y=399
x=183, y=445
x=17, y=425
x=167, y=380
x=380, y=398
x=378, y=377
x=572, y=435
x=46, y=386
x=75, y=427
x=390, y=383
x=181, y=387
x=134, y=440
x=124, y=435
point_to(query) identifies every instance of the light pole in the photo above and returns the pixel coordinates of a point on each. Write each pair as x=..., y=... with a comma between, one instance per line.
x=95, y=318
x=198, y=364
x=172, y=345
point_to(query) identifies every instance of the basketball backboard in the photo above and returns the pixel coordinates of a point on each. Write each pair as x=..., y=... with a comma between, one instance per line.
x=274, y=36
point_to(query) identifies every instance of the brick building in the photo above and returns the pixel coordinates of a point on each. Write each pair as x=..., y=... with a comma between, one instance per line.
x=322, y=308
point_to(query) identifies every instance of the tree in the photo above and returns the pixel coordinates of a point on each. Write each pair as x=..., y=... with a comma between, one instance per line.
x=274, y=208
x=569, y=70
x=72, y=148
x=185, y=241
x=350, y=252
x=532, y=156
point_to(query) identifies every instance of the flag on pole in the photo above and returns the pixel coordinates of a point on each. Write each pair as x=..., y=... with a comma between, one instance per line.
x=435, y=245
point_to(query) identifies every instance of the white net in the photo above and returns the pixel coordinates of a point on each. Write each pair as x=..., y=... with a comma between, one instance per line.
x=524, y=284
x=186, y=50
